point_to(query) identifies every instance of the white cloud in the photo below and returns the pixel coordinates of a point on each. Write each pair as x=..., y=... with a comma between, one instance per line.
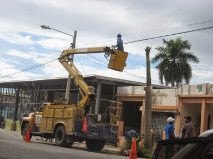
x=15, y=38
x=37, y=57
x=6, y=71
x=54, y=69
x=97, y=23
x=21, y=54
x=57, y=44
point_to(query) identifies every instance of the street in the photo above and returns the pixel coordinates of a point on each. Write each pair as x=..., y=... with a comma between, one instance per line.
x=12, y=146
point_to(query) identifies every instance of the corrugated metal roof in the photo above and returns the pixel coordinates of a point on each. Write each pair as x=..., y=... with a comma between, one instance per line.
x=119, y=81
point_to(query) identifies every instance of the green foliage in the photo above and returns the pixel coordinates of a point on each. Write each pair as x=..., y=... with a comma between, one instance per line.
x=173, y=61
x=9, y=124
x=139, y=147
x=126, y=147
x=147, y=154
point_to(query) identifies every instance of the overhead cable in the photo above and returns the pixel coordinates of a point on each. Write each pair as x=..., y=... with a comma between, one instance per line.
x=27, y=69
x=163, y=36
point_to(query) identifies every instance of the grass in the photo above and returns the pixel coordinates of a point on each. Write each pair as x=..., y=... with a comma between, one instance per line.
x=9, y=124
x=147, y=154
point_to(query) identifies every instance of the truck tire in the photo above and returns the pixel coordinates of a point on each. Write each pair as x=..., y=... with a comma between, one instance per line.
x=25, y=129
x=60, y=136
x=69, y=141
x=70, y=144
x=95, y=145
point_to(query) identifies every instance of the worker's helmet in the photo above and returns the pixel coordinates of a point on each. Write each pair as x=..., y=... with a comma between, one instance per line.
x=170, y=119
x=119, y=35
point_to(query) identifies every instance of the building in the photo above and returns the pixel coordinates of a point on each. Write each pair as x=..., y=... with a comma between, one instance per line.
x=195, y=101
x=164, y=104
x=27, y=95
x=186, y=100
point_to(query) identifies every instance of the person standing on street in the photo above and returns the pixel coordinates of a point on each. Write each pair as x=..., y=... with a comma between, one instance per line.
x=188, y=128
x=169, y=129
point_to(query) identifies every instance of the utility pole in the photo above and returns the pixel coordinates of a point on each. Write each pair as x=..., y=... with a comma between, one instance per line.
x=67, y=94
x=148, y=103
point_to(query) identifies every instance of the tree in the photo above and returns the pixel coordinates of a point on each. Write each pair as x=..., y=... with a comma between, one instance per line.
x=174, y=57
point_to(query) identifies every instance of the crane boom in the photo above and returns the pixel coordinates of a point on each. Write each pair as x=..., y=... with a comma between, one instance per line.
x=117, y=62
x=67, y=122
x=91, y=50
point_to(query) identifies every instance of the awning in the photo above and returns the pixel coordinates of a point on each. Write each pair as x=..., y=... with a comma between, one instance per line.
x=164, y=108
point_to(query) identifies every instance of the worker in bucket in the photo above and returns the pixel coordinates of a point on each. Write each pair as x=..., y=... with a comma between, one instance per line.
x=119, y=45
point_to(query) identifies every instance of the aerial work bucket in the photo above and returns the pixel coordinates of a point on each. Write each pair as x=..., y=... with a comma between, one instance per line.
x=117, y=60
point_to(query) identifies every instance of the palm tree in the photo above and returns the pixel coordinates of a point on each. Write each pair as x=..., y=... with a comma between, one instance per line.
x=174, y=57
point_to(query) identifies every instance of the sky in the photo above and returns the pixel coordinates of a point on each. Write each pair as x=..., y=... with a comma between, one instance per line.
x=28, y=52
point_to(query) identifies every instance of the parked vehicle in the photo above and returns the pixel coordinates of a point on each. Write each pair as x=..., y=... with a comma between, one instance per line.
x=191, y=148
x=69, y=123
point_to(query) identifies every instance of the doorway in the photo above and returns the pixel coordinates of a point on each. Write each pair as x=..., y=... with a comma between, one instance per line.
x=132, y=116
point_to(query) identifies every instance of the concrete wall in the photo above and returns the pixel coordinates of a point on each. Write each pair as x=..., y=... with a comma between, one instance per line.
x=164, y=96
x=159, y=96
x=169, y=94
x=199, y=89
x=131, y=90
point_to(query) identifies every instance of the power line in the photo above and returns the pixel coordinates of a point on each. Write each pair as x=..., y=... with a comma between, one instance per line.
x=188, y=25
x=27, y=69
x=81, y=65
x=201, y=22
x=131, y=74
x=99, y=60
x=145, y=39
x=163, y=36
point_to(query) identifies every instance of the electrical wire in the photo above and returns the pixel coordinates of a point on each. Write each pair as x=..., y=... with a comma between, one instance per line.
x=99, y=60
x=172, y=34
x=135, y=41
x=27, y=69
x=188, y=25
x=131, y=74
x=79, y=61
x=200, y=23
x=96, y=60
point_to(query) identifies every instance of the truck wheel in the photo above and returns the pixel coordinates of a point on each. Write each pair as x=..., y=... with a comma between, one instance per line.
x=25, y=129
x=95, y=145
x=69, y=141
x=60, y=136
x=69, y=144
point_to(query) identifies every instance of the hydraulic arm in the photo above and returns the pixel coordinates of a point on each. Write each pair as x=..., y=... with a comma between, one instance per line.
x=66, y=122
x=117, y=62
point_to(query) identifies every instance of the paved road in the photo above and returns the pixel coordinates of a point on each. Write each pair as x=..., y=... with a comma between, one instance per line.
x=13, y=147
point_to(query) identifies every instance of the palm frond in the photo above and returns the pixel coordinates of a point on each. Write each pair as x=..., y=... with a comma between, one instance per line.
x=174, y=57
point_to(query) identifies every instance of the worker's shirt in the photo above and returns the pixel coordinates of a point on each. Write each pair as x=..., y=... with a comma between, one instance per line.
x=188, y=130
x=120, y=44
x=169, y=130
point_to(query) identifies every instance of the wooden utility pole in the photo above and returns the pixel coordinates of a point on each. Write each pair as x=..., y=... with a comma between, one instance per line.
x=67, y=94
x=148, y=104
